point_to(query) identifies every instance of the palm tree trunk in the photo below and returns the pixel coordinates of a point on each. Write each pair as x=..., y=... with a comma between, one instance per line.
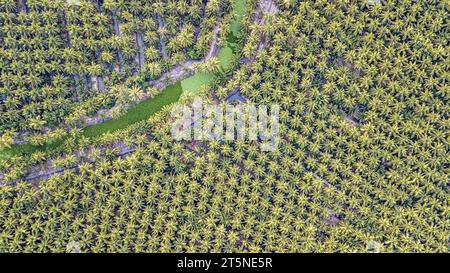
x=161, y=38
x=100, y=86
x=100, y=83
x=205, y=2
x=140, y=57
x=117, y=33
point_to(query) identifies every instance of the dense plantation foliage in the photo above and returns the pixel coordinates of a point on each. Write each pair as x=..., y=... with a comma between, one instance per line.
x=62, y=62
x=364, y=155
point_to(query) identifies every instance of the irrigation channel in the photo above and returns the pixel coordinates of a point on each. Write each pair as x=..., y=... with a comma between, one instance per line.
x=149, y=107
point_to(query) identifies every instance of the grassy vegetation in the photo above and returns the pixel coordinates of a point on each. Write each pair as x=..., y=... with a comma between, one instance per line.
x=29, y=148
x=192, y=85
x=236, y=26
x=137, y=113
